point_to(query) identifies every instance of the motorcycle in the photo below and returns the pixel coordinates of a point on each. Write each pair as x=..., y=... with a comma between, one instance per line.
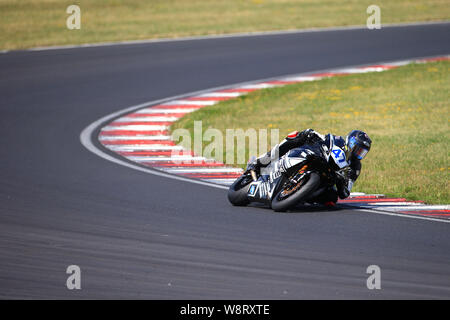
x=297, y=177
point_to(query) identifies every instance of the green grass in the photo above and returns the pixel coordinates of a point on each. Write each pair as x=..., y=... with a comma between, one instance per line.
x=405, y=111
x=30, y=23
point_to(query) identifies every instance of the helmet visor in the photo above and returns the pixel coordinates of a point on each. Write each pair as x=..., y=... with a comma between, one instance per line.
x=359, y=152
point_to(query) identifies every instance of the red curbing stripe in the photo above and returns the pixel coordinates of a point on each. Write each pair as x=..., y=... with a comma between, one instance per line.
x=185, y=164
x=165, y=153
x=209, y=98
x=134, y=133
x=328, y=74
x=238, y=90
x=281, y=82
x=146, y=115
x=209, y=175
x=178, y=106
x=215, y=177
x=238, y=174
x=146, y=123
x=137, y=142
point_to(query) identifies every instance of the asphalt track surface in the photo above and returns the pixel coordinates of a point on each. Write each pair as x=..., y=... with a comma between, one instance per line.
x=136, y=235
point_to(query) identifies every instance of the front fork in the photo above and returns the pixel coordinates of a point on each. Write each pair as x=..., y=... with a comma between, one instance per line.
x=295, y=181
x=299, y=176
x=253, y=174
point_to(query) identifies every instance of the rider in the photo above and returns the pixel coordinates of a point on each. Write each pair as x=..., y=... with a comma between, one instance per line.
x=356, y=145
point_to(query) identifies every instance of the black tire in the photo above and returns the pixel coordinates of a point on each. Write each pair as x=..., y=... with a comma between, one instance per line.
x=311, y=185
x=237, y=193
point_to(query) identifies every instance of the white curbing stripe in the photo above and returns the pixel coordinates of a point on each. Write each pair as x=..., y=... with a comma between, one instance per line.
x=168, y=111
x=398, y=63
x=149, y=119
x=221, y=94
x=260, y=86
x=124, y=138
x=301, y=79
x=138, y=127
x=360, y=70
x=145, y=147
x=159, y=159
x=191, y=102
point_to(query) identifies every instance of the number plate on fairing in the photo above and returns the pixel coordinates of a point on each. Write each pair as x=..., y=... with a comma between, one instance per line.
x=252, y=189
x=338, y=156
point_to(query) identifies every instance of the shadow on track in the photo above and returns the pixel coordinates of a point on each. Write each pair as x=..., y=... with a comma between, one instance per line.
x=302, y=208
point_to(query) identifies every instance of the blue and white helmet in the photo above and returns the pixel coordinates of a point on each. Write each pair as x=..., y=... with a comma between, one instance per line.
x=358, y=144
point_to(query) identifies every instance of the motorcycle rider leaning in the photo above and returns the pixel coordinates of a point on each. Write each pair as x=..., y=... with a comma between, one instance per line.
x=356, y=145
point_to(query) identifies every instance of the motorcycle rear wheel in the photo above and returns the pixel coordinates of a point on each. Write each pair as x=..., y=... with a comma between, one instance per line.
x=237, y=193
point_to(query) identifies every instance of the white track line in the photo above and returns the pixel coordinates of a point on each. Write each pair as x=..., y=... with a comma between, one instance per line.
x=411, y=207
x=232, y=35
x=404, y=215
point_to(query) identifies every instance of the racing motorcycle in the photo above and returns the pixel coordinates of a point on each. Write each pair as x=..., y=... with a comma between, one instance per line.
x=300, y=175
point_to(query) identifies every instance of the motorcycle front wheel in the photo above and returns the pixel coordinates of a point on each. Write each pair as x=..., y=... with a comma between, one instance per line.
x=286, y=199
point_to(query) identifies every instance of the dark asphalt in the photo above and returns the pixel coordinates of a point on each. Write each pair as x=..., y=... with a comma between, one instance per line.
x=136, y=235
